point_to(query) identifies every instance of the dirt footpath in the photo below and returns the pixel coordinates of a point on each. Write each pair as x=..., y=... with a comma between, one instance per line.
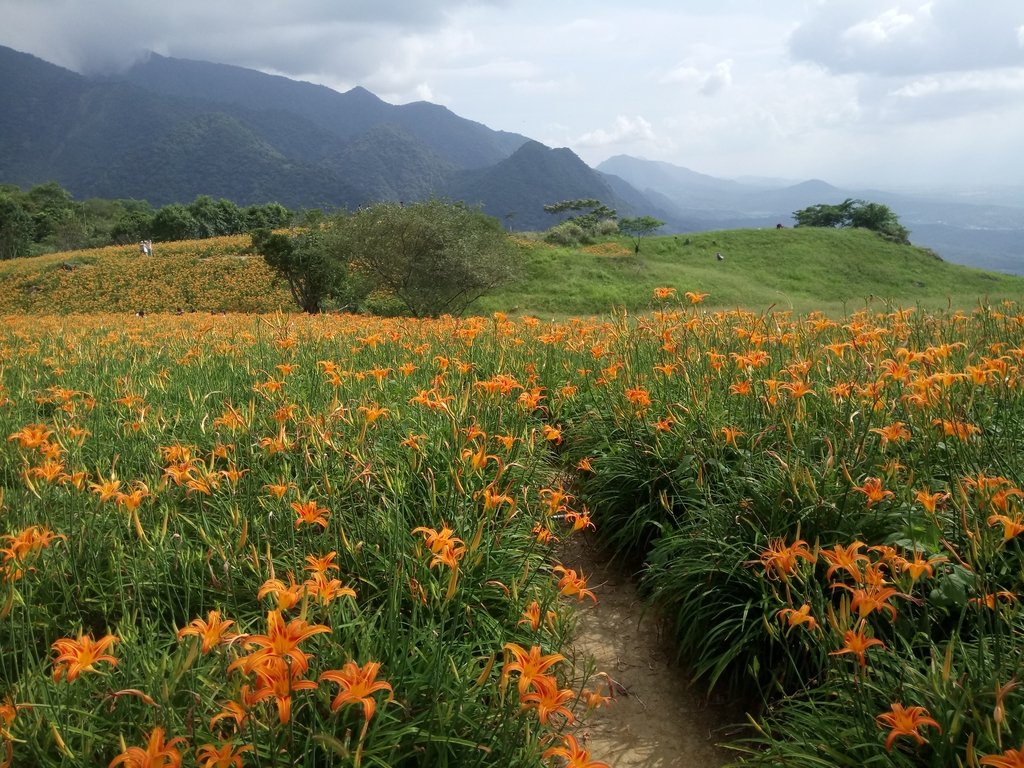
x=657, y=720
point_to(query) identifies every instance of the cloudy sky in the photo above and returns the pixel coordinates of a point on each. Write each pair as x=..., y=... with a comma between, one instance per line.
x=852, y=91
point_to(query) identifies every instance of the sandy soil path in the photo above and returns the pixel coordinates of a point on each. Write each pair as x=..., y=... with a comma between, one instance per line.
x=657, y=720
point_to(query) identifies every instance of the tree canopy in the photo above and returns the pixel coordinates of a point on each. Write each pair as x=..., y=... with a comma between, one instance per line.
x=855, y=213
x=639, y=227
x=315, y=261
x=436, y=257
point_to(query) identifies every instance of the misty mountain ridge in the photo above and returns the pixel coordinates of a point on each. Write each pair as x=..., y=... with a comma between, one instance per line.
x=167, y=130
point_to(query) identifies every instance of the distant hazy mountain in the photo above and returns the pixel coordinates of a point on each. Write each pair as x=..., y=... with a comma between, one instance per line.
x=517, y=189
x=981, y=234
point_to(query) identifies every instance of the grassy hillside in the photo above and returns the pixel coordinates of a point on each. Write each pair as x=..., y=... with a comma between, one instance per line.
x=799, y=269
x=194, y=275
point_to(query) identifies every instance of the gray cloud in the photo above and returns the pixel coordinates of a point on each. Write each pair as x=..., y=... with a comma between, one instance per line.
x=912, y=37
x=349, y=38
x=729, y=87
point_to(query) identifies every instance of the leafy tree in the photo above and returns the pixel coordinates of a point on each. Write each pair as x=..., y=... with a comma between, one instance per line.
x=592, y=213
x=135, y=223
x=16, y=229
x=855, y=213
x=215, y=217
x=174, y=222
x=435, y=256
x=268, y=216
x=48, y=204
x=639, y=228
x=880, y=218
x=70, y=229
x=314, y=262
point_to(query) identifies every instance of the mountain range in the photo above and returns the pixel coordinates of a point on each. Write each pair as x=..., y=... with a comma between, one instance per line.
x=166, y=130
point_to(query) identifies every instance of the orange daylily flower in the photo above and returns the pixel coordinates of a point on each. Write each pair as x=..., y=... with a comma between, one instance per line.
x=281, y=641
x=857, y=643
x=961, y=430
x=797, y=616
x=548, y=699
x=663, y=293
x=277, y=679
x=31, y=436
x=479, y=458
x=322, y=564
x=529, y=664
x=28, y=542
x=892, y=433
x=874, y=597
x=438, y=541
x=741, y=387
x=357, y=686
x=320, y=587
x=696, y=298
x=310, y=513
x=75, y=656
x=575, y=755
x=845, y=559
x=106, y=490
x=731, y=433
x=1011, y=758
x=279, y=489
x=225, y=756
x=782, y=561
x=594, y=698
x=532, y=616
x=132, y=501
x=638, y=397
x=236, y=710
x=373, y=412
x=905, y=721
x=989, y=599
x=1012, y=526
x=920, y=565
x=157, y=754
x=930, y=500
x=872, y=489
x=213, y=631
x=287, y=596
x=570, y=584
x=552, y=434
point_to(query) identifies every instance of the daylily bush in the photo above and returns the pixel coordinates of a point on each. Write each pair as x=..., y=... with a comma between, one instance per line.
x=274, y=540
x=830, y=514
x=236, y=540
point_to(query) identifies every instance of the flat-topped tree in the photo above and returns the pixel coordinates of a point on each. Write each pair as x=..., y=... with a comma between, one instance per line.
x=592, y=213
x=855, y=213
x=638, y=228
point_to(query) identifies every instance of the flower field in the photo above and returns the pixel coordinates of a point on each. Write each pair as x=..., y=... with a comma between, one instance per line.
x=274, y=540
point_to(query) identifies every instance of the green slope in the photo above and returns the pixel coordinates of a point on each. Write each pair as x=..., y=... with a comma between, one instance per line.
x=801, y=269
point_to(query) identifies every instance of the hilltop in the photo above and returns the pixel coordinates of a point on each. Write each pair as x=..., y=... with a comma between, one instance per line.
x=800, y=269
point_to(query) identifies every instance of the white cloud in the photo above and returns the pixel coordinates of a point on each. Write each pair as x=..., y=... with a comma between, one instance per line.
x=720, y=78
x=626, y=130
x=889, y=38
x=1010, y=81
x=886, y=26
x=706, y=81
